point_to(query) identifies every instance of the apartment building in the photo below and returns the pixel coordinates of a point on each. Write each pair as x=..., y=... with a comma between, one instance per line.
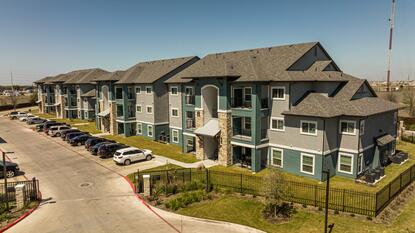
x=289, y=107
x=70, y=95
x=135, y=101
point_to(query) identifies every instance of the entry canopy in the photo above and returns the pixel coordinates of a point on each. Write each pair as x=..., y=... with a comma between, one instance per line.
x=210, y=129
x=384, y=140
x=104, y=113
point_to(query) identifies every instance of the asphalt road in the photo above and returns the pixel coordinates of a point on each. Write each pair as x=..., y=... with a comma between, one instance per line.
x=105, y=204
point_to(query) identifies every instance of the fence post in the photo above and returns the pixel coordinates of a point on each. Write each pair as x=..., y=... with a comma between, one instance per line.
x=389, y=187
x=190, y=172
x=315, y=195
x=344, y=193
x=166, y=181
x=34, y=187
x=241, y=184
x=207, y=180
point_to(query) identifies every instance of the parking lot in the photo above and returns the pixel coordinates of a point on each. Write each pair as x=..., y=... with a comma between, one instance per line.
x=83, y=193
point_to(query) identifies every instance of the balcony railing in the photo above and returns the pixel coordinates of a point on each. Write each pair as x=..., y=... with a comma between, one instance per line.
x=189, y=99
x=264, y=133
x=240, y=103
x=242, y=134
x=190, y=124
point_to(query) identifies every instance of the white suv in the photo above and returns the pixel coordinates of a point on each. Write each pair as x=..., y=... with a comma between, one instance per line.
x=131, y=154
x=15, y=115
x=55, y=131
x=27, y=117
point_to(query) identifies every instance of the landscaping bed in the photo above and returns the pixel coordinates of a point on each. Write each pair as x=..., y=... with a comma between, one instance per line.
x=11, y=215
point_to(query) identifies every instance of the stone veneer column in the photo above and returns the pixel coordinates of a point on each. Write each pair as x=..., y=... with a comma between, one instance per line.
x=113, y=118
x=62, y=106
x=42, y=104
x=101, y=122
x=225, y=156
x=20, y=196
x=200, y=153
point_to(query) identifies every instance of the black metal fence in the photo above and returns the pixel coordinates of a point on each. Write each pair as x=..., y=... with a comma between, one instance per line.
x=31, y=190
x=346, y=200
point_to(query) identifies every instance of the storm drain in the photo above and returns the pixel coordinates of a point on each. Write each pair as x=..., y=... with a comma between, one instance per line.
x=85, y=184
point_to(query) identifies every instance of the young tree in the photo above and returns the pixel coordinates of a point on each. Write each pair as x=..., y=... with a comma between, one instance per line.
x=391, y=96
x=276, y=192
x=409, y=100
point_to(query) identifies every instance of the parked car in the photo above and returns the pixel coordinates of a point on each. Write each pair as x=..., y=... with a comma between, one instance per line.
x=47, y=126
x=79, y=140
x=67, y=131
x=25, y=118
x=131, y=154
x=108, y=150
x=95, y=140
x=55, y=131
x=69, y=136
x=16, y=115
x=94, y=149
x=12, y=169
x=39, y=127
x=35, y=120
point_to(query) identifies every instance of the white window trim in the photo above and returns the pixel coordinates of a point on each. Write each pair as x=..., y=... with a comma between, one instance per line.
x=138, y=90
x=189, y=87
x=301, y=165
x=141, y=126
x=152, y=109
x=362, y=162
x=171, y=92
x=244, y=93
x=171, y=112
x=283, y=124
x=306, y=133
x=278, y=87
x=172, y=137
x=139, y=105
x=362, y=124
x=151, y=88
x=148, y=130
x=282, y=157
x=347, y=121
x=338, y=163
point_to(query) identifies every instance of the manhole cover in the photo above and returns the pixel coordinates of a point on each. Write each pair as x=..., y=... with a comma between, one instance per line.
x=86, y=184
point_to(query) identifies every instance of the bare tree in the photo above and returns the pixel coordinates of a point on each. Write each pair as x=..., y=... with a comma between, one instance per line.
x=391, y=96
x=409, y=100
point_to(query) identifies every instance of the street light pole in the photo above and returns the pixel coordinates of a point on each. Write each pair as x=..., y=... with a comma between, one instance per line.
x=5, y=180
x=327, y=199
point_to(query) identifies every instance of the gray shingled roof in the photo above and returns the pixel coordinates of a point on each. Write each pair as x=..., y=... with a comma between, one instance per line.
x=43, y=80
x=264, y=64
x=85, y=76
x=89, y=94
x=113, y=76
x=321, y=105
x=151, y=71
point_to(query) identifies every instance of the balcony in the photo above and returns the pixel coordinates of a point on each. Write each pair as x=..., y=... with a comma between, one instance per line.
x=190, y=124
x=240, y=103
x=242, y=134
x=189, y=99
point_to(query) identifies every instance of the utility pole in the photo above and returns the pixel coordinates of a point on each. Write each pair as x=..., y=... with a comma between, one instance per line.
x=13, y=96
x=326, y=215
x=391, y=22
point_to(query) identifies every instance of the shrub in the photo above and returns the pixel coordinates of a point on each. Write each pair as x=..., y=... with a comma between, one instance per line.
x=186, y=199
x=194, y=185
x=282, y=210
x=336, y=212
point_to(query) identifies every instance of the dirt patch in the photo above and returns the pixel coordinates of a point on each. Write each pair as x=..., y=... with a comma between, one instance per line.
x=7, y=217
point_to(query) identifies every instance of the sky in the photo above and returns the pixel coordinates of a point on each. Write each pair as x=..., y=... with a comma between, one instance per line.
x=40, y=38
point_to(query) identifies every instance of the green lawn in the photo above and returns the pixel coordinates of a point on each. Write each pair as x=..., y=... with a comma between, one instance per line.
x=248, y=211
x=166, y=150
x=87, y=126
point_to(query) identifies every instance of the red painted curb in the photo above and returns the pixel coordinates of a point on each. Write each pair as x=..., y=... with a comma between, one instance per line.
x=23, y=216
x=147, y=205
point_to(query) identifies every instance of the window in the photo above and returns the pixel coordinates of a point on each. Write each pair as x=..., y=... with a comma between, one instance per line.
x=149, y=90
x=138, y=90
x=348, y=127
x=362, y=127
x=277, y=124
x=174, y=112
x=149, y=109
x=189, y=91
x=130, y=93
x=175, y=135
x=247, y=94
x=150, y=130
x=307, y=164
x=345, y=163
x=360, y=163
x=139, y=108
x=309, y=127
x=277, y=157
x=118, y=93
x=278, y=93
x=247, y=123
x=139, y=128
x=120, y=110
x=174, y=90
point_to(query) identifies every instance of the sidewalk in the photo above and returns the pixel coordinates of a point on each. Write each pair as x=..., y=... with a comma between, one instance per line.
x=206, y=163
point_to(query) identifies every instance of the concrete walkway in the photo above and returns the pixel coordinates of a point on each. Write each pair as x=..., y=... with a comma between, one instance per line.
x=206, y=163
